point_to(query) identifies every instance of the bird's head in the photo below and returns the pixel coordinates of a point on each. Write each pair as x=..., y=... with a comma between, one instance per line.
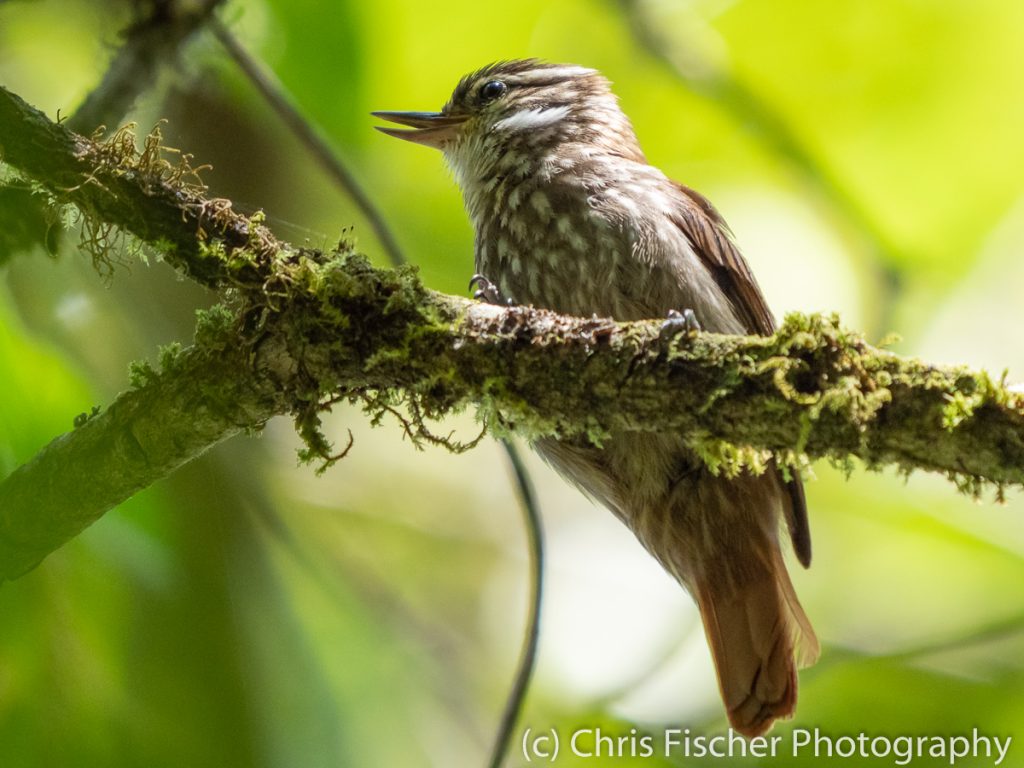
x=509, y=117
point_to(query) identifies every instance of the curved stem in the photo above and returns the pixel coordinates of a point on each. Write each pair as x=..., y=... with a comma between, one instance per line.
x=312, y=139
x=528, y=656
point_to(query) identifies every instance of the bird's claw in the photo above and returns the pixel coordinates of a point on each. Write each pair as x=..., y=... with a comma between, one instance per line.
x=680, y=322
x=488, y=291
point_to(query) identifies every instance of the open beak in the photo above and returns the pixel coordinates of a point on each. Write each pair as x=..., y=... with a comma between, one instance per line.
x=432, y=129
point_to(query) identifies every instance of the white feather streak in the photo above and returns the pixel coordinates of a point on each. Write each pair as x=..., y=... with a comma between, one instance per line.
x=532, y=119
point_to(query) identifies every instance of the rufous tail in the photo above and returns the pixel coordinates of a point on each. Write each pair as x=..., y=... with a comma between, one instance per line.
x=759, y=636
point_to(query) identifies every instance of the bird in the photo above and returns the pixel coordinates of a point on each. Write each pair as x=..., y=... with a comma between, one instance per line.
x=569, y=216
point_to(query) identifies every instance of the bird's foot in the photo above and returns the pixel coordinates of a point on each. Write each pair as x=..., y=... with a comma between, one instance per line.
x=488, y=291
x=680, y=322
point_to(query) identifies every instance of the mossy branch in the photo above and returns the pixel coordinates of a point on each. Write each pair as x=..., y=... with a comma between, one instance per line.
x=301, y=330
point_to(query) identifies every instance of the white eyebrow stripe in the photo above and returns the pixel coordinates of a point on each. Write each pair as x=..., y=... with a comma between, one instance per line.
x=528, y=119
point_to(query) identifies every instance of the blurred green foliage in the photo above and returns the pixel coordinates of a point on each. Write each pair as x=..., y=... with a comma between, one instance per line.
x=246, y=613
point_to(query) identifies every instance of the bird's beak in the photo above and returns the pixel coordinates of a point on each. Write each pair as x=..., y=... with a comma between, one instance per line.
x=432, y=129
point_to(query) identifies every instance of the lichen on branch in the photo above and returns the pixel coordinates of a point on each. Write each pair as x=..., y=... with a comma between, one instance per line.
x=300, y=330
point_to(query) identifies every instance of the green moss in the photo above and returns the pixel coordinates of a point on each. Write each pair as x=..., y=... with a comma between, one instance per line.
x=959, y=407
x=318, y=448
x=83, y=418
x=170, y=357
x=152, y=165
x=728, y=459
x=140, y=374
x=343, y=285
x=216, y=327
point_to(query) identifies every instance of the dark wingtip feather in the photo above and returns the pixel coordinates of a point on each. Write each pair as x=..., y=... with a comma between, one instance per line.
x=799, y=526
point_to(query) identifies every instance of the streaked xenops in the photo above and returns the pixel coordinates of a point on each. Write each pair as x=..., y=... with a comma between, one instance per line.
x=570, y=216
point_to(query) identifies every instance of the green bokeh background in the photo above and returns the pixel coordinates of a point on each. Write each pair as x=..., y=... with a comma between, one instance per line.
x=247, y=613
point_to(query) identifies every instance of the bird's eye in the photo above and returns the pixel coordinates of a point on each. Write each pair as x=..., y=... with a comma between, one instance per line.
x=492, y=90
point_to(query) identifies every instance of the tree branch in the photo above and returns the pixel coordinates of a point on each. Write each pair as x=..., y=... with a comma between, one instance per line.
x=113, y=185
x=153, y=41
x=302, y=328
x=143, y=436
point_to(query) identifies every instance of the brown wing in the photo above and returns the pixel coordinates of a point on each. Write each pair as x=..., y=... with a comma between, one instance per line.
x=712, y=241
